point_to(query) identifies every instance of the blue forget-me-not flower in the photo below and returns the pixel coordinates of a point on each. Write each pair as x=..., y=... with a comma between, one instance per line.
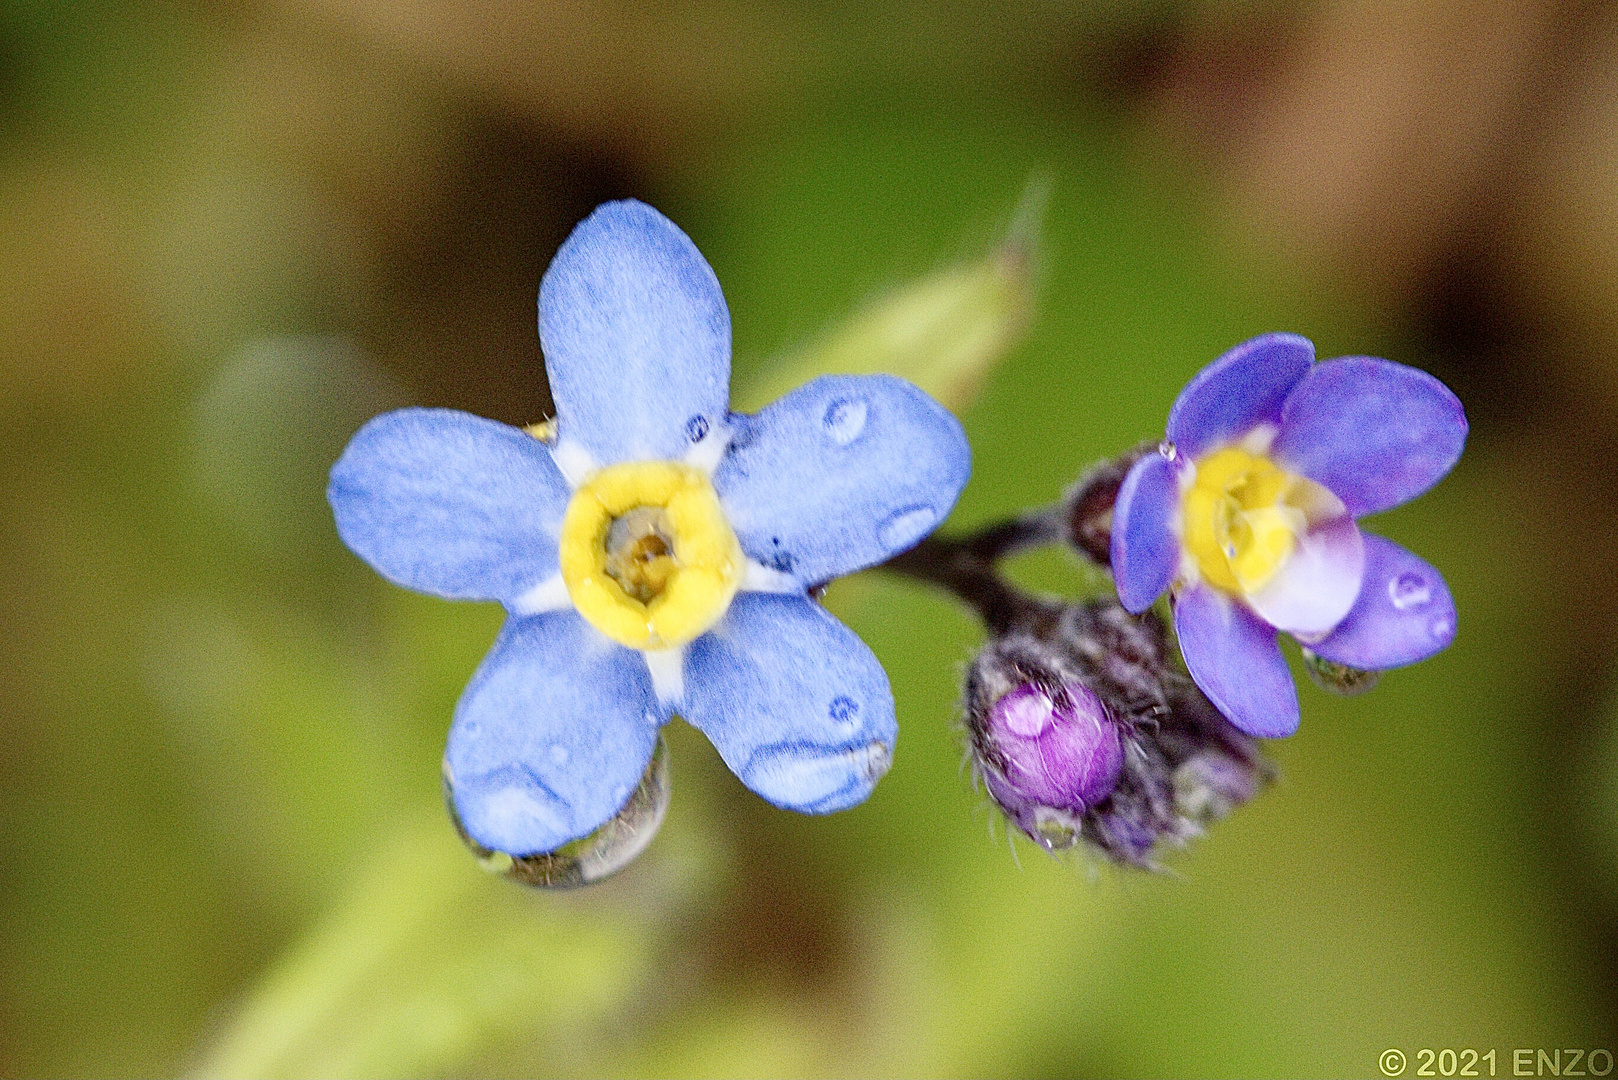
x=655, y=551
x=1248, y=513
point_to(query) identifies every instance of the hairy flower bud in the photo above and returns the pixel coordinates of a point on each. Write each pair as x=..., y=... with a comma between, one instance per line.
x=1087, y=506
x=1050, y=753
x=1082, y=728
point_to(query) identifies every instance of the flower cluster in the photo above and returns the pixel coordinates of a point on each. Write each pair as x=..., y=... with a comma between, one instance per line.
x=1082, y=729
x=1247, y=516
x=1083, y=725
x=654, y=550
x=658, y=553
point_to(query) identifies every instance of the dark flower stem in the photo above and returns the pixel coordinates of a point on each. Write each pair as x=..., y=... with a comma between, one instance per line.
x=959, y=566
x=965, y=566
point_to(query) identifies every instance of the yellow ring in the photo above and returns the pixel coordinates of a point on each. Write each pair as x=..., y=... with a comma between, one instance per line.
x=709, y=561
x=1242, y=519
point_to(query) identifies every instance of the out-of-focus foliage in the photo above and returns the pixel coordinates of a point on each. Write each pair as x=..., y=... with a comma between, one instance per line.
x=229, y=235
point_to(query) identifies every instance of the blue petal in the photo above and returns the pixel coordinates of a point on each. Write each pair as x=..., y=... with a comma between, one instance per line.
x=1145, y=551
x=1376, y=433
x=1233, y=656
x=636, y=337
x=840, y=474
x=1240, y=390
x=551, y=735
x=796, y=704
x=1404, y=613
x=450, y=504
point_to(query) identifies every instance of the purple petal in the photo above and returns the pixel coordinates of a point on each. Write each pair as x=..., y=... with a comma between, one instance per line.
x=1240, y=390
x=550, y=736
x=1318, y=584
x=1233, y=656
x=636, y=337
x=451, y=504
x=1376, y=433
x=1145, y=551
x=1404, y=613
x=1059, y=749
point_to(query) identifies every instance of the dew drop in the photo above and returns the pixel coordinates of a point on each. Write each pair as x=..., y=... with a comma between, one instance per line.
x=904, y=528
x=591, y=858
x=845, y=420
x=878, y=760
x=1055, y=829
x=1442, y=628
x=1338, y=678
x=1409, y=590
x=1026, y=712
x=810, y=776
x=696, y=428
x=843, y=709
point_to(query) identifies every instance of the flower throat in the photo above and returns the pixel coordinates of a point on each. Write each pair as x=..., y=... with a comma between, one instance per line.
x=640, y=552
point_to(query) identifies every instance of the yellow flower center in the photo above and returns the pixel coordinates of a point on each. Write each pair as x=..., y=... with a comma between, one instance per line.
x=1242, y=518
x=647, y=555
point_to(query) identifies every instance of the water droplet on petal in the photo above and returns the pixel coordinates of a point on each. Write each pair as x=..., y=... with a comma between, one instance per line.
x=845, y=420
x=1338, y=678
x=1027, y=711
x=878, y=760
x=843, y=710
x=696, y=428
x=1055, y=829
x=591, y=858
x=1442, y=628
x=1409, y=590
x=904, y=528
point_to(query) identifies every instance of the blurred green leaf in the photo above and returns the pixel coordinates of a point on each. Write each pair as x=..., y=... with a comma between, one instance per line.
x=272, y=420
x=944, y=332
x=429, y=961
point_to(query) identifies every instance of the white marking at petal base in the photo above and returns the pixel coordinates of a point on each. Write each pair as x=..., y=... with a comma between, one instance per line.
x=574, y=461
x=760, y=578
x=1258, y=441
x=668, y=674
x=1189, y=573
x=705, y=455
x=548, y=595
x=1319, y=582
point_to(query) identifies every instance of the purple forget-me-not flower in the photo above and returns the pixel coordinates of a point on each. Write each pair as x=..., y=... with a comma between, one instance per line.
x=1248, y=512
x=655, y=551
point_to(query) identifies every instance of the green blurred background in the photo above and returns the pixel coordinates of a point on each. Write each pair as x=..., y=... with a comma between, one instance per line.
x=230, y=233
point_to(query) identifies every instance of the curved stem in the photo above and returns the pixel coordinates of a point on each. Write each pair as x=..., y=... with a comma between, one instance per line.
x=965, y=567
